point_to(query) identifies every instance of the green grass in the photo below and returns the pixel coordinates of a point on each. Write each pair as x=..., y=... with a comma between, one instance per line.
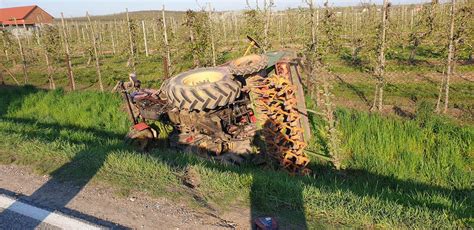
x=398, y=173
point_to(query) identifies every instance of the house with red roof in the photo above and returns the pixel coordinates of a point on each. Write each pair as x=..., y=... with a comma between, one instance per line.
x=25, y=16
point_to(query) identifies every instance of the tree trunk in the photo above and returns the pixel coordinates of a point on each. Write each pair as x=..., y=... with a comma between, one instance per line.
x=167, y=47
x=68, y=60
x=154, y=32
x=2, y=81
x=268, y=15
x=380, y=68
x=5, y=49
x=132, y=45
x=10, y=74
x=113, y=42
x=27, y=37
x=22, y=54
x=52, y=85
x=96, y=56
x=99, y=39
x=333, y=141
x=450, y=63
x=78, y=36
x=213, y=48
x=117, y=42
x=83, y=42
x=440, y=93
x=144, y=38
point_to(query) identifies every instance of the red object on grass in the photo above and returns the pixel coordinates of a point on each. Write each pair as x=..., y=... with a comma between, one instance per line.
x=141, y=126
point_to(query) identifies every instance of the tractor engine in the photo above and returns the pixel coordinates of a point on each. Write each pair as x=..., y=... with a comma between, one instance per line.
x=214, y=131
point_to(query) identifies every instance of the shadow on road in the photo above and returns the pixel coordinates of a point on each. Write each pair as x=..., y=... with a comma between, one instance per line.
x=80, y=169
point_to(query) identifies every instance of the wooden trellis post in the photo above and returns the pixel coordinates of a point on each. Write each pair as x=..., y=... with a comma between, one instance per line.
x=5, y=49
x=115, y=34
x=167, y=46
x=78, y=36
x=132, y=52
x=144, y=38
x=113, y=42
x=445, y=84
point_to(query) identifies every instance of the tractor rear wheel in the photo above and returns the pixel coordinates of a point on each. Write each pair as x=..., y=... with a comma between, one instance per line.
x=203, y=88
x=248, y=64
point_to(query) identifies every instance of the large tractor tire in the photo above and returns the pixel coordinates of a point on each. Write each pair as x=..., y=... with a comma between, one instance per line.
x=203, y=88
x=248, y=64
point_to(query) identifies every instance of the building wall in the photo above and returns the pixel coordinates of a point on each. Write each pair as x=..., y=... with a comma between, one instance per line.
x=38, y=16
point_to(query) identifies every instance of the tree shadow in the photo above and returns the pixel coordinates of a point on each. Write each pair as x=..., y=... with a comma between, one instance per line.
x=403, y=113
x=83, y=166
x=12, y=96
x=354, y=89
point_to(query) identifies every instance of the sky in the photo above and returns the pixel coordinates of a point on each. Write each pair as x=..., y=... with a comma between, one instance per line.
x=74, y=8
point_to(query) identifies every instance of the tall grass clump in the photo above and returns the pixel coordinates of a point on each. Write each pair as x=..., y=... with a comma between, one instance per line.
x=429, y=149
x=81, y=109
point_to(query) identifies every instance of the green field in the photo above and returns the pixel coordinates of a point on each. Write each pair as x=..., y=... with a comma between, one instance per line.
x=398, y=172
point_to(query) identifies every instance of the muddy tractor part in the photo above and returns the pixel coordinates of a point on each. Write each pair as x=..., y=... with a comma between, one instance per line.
x=221, y=111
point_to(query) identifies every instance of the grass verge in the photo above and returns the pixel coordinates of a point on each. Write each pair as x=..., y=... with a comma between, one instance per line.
x=399, y=173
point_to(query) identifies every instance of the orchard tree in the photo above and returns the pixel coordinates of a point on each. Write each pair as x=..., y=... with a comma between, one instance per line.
x=258, y=22
x=458, y=33
x=199, y=37
x=50, y=41
x=379, y=70
x=423, y=28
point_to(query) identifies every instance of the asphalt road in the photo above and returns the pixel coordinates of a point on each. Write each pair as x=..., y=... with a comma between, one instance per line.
x=13, y=220
x=16, y=214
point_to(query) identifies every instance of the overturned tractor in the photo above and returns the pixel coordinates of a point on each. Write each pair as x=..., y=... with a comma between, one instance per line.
x=253, y=105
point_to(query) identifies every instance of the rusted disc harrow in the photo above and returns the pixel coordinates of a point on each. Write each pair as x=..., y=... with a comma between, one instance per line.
x=275, y=101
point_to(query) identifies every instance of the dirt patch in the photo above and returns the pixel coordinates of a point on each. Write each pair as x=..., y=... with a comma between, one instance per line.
x=100, y=204
x=405, y=77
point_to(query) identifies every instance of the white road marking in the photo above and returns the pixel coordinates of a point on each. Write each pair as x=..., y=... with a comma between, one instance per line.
x=45, y=216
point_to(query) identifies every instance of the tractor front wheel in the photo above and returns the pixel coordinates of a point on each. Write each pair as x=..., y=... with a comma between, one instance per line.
x=249, y=64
